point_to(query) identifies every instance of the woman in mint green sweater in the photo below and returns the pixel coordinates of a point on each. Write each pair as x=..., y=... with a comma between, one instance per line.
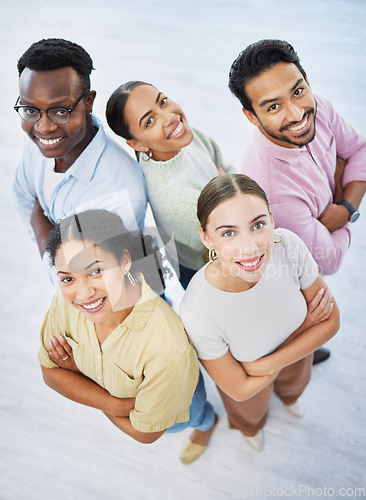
x=177, y=162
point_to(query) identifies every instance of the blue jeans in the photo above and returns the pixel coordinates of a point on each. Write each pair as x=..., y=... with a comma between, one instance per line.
x=201, y=412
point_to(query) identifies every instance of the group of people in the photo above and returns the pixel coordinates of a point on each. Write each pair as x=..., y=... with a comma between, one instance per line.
x=250, y=249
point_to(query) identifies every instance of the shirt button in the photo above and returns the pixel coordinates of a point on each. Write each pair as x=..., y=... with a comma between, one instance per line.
x=98, y=378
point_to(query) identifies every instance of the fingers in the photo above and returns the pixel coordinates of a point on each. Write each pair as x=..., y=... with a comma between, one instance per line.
x=316, y=300
x=325, y=307
x=58, y=352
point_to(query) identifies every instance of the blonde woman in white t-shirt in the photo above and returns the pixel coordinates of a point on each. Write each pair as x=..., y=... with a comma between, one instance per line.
x=257, y=311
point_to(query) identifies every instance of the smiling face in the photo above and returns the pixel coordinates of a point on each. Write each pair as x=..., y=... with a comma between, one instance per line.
x=47, y=89
x=93, y=281
x=284, y=106
x=240, y=230
x=156, y=123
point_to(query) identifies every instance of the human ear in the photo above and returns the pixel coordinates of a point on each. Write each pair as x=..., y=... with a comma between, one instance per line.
x=137, y=146
x=251, y=117
x=126, y=260
x=89, y=101
x=204, y=238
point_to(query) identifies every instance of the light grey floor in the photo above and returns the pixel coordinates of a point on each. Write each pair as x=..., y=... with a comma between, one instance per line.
x=52, y=448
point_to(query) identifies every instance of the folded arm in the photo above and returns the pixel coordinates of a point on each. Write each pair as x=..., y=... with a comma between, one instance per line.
x=327, y=248
x=319, y=326
x=72, y=384
x=231, y=377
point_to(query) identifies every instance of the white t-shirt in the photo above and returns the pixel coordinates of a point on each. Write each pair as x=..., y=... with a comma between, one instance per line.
x=256, y=322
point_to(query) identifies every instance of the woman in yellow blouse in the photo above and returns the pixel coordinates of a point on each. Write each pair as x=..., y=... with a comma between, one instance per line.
x=110, y=342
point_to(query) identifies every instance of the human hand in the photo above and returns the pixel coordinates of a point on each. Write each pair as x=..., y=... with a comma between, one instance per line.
x=334, y=217
x=61, y=353
x=320, y=308
x=119, y=407
x=338, y=178
x=260, y=367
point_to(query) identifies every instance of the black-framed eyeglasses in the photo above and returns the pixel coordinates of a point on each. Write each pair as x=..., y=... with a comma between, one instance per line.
x=59, y=114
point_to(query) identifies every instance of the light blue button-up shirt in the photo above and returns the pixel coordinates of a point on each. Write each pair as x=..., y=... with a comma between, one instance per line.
x=104, y=176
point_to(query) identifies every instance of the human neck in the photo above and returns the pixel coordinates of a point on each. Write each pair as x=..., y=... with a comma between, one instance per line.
x=218, y=277
x=64, y=163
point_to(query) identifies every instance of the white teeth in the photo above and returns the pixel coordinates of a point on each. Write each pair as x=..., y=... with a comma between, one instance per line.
x=300, y=126
x=48, y=142
x=178, y=129
x=94, y=305
x=251, y=264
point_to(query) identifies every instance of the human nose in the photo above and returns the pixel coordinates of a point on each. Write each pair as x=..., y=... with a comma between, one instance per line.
x=295, y=112
x=44, y=125
x=168, y=117
x=84, y=290
x=248, y=244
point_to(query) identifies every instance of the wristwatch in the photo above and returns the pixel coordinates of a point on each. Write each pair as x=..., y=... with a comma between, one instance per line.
x=354, y=214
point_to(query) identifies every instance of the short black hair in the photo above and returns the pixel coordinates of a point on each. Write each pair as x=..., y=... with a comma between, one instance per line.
x=56, y=53
x=254, y=60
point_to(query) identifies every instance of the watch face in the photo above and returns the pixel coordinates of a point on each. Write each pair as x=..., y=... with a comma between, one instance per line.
x=354, y=216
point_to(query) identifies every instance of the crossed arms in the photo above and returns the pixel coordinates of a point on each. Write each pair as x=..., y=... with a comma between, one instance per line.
x=241, y=381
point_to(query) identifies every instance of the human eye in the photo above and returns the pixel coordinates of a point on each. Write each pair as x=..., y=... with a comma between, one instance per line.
x=95, y=272
x=274, y=107
x=258, y=225
x=60, y=111
x=228, y=233
x=30, y=111
x=299, y=91
x=66, y=280
x=149, y=122
x=163, y=101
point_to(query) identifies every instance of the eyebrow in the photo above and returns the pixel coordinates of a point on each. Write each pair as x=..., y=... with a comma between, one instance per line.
x=229, y=226
x=150, y=111
x=92, y=264
x=268, y=101
x=57, y=104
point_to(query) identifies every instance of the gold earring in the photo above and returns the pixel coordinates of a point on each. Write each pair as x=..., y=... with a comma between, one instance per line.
x=147, y=154
x=131, y=279
x=212, y=255
x=277, y=238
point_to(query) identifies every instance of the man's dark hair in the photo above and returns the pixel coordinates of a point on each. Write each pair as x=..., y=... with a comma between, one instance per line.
x=56, y=53
x=254, y=60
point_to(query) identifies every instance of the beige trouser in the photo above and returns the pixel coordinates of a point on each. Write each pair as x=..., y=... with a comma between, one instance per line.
x=250, y=416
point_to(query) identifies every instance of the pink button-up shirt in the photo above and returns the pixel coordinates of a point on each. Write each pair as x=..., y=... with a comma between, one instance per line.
x=299, y=182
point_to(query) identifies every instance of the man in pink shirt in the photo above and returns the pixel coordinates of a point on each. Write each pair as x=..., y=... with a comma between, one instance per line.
x=308, y=159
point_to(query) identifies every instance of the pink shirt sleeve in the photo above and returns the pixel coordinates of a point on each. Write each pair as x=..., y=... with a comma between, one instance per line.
x=350, y=145
x=328, y=249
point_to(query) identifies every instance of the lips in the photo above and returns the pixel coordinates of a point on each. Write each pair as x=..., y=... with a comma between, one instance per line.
x=299, y=127
x=178, y=130
x=251, y=265
x=93, y=306
x=49, y=142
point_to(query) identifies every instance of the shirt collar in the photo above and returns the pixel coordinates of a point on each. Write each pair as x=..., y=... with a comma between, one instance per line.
x=290, y=155
x=143, y=308
x=84, y=166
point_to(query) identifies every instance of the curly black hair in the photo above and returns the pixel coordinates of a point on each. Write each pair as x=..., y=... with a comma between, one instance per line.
x=106, y=231
x=56, y=53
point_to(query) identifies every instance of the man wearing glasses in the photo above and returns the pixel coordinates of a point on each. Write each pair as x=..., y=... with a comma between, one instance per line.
x=68, y=163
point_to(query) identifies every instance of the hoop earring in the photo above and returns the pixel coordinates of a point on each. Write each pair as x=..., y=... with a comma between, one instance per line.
x=212, y=255
x=131, y=279
x=147, y=155
x=277, y=237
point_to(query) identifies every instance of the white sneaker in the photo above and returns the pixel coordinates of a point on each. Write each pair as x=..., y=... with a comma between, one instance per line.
x=255, y=441
x=296, y=408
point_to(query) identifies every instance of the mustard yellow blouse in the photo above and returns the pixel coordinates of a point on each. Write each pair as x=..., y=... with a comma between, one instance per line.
x=148, y=356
